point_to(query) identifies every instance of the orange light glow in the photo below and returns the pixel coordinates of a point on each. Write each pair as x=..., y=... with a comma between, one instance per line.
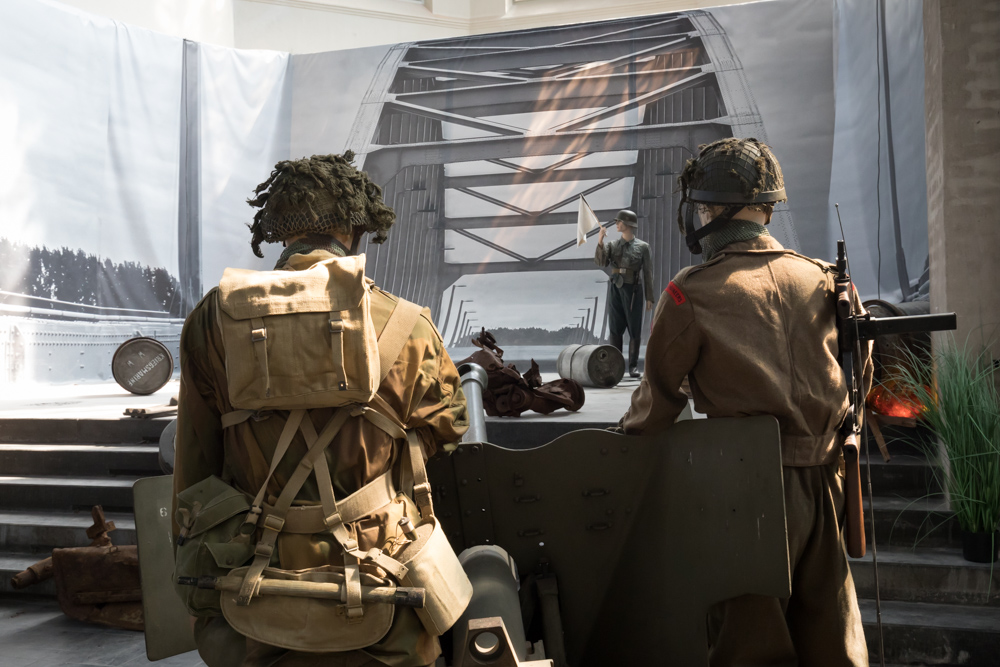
x=894, y=400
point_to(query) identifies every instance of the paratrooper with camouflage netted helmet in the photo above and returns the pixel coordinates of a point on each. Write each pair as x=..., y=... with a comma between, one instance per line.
x=319, y=208
x=326, y=195
x=753, y=328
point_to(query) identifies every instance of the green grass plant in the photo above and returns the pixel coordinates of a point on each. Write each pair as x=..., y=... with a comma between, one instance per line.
x=961, y=406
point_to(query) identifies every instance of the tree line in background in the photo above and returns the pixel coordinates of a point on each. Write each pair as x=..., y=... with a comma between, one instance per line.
x=77, y=277
x=537, y=336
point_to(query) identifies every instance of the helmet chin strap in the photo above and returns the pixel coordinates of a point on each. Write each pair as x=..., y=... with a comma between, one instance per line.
x=694, y=236
x=357, y=241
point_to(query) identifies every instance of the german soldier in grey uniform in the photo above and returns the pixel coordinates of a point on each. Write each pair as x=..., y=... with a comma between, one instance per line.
x=631, y=283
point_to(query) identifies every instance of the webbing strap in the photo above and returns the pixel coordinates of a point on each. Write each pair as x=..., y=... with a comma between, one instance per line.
x=274, y=522
x=235, y=417
x=352, y=590
x=292, y=424
x=416, y=468
x=337, y=347
x=335, y=522
x=394, y=335
x=307, y=519
x=259, y=337
x=396, y=431
x=421, y=487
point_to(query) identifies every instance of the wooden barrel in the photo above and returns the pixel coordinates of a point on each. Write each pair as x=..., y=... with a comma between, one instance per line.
x=592, y=365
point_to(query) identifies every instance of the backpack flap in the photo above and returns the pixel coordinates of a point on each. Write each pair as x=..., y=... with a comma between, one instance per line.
x=299, y=339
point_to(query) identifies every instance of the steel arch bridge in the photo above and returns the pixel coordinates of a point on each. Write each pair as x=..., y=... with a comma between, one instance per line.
x=620, y=102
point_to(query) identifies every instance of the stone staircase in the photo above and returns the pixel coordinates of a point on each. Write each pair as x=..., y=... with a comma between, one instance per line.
x=937, y=609
x=53, y=471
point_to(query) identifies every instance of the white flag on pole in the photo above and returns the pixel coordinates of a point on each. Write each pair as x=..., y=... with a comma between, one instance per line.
x=585, y=222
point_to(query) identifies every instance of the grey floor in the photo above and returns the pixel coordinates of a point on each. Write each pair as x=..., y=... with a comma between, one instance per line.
x=34, y=633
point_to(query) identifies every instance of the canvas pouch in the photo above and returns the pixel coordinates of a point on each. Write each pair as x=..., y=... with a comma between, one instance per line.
x=432, y=564
x=294, y=622
x=299, y=339
x=210, y=514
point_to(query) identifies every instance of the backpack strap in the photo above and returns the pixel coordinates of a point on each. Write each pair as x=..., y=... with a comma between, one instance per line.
x=394, y=335
x=273, y=524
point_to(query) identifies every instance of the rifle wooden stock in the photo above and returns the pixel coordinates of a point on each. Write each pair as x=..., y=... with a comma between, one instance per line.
x=854, y=521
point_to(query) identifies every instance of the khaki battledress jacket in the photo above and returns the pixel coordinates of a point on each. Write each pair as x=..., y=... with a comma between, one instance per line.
x=754, y=331
x=424, y=389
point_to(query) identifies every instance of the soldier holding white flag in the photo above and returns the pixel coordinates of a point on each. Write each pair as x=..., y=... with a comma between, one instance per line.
x=631, y=279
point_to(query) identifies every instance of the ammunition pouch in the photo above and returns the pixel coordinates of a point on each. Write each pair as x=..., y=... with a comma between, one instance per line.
x=210, y=514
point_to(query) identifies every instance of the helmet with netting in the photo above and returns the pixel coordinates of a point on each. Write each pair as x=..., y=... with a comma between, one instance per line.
x=320, y=195
x=731, y=172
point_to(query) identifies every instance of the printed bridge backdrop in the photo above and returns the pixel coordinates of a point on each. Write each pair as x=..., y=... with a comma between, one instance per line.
x=483, y=145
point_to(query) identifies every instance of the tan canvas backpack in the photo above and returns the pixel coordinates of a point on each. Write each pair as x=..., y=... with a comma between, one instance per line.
x=297, y=340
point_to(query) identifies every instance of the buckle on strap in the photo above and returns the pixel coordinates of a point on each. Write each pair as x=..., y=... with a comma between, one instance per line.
x=387, y=563
x=422, y=493
x=257, y=335
x=251, y=521
x=275, y=523
x=263, y=549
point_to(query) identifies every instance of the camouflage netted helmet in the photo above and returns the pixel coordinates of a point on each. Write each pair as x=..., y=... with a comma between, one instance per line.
x=730, y=172
x=321, y=195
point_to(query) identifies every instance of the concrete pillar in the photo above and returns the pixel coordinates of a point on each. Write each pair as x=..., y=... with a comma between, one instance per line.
x=962, y=112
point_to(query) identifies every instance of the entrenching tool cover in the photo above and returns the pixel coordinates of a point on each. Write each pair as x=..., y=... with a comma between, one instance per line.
x=168, y=626
x=643, y=534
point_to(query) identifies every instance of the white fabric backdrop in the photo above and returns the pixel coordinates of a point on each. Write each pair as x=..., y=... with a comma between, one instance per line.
x=89, y=120
x=245, y=112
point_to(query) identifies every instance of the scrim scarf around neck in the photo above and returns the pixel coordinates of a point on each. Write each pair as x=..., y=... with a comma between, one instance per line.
x=736, y=230
x=307, y=245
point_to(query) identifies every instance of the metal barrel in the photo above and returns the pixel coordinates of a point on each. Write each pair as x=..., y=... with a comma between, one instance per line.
x=474, y=381
x=142, y=365
x=592, y=365
x=495, y=584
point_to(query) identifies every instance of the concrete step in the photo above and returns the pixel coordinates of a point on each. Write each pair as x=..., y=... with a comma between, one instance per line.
x=906, y=475
x=40, y=532
x=95, y=459
x=902, y=440
x=919, y=633
x=66, y=493
x=13, y=562
x=907, y=522
x=935, y=575
x=125, y=430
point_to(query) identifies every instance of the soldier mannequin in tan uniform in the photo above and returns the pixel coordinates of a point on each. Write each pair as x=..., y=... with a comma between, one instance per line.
x=422, y=387
x=753, y=329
